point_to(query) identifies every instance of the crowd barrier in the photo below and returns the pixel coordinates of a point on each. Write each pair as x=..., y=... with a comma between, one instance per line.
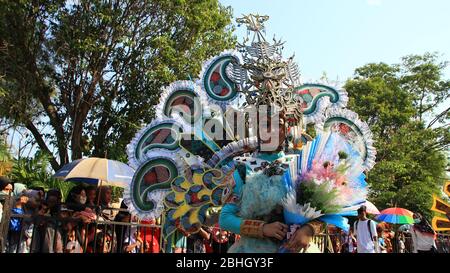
x=45, y=234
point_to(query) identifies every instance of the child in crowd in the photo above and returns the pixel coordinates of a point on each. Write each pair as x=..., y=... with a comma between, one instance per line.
x=15, y=225
x=91, y=194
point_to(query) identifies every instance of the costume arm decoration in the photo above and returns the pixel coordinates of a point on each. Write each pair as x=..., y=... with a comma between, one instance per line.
x=315, y=226
x=252, y=228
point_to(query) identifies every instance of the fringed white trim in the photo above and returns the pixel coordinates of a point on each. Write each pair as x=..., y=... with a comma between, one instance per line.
x=317, y=115
x=232, y=149
x=343, y=99
x=132, y=160
x=324, y=103
x=207, y=65
x=178, y=86
x=157, y=197
x=291, y=205
x=367, y=135
x=236, y=73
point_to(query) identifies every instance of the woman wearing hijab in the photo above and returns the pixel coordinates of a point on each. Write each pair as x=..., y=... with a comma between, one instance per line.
x=19, y=188
x=76, y=199
x=423, y=235
x=104, y=193
x=6, y=186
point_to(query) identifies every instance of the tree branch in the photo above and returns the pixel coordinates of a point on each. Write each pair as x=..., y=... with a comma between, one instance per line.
x=40, y=141
x=436, y=119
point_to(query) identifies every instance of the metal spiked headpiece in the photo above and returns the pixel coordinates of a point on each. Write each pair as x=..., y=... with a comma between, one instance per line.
x=267, y=78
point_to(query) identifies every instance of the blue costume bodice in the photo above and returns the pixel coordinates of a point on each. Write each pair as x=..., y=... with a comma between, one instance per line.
x=256, y=198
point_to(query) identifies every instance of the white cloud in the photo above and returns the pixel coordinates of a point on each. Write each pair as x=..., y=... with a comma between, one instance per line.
x=374, y=2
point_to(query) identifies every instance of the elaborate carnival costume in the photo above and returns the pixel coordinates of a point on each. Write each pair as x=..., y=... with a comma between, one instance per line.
x=440, y=223
x=190, y=159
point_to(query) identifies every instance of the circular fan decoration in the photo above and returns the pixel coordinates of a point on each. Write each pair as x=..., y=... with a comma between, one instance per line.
x=354, y=130
x=160, y=134
x=184, y=99
x=151, y=183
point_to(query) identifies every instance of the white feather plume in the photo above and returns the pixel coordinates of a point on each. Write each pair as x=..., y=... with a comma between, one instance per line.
x=291, y=205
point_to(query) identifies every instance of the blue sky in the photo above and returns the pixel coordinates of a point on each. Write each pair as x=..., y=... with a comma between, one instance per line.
x=337, y=36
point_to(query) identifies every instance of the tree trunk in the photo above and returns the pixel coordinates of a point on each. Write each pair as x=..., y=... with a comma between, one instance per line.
x=77, y=131
x=100, y=140
x=100, y=147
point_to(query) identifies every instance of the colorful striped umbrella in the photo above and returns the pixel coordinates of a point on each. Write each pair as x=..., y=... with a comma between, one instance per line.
x=97, y=171
x=397, y=216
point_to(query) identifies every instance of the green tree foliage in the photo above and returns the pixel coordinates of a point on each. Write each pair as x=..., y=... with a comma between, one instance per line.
x=397, y=100
x=4, y=150
x=83, y=76
x=5, y=157
x=422, y=77
x=36, y=172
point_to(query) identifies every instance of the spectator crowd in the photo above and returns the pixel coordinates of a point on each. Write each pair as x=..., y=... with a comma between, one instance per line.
x=86, y=222
x=33, y=220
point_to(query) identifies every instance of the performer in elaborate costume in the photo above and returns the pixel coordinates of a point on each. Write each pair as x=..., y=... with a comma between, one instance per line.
x=276, y=185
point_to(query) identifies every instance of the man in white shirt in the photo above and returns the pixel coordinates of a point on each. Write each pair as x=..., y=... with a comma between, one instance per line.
x=366, y=233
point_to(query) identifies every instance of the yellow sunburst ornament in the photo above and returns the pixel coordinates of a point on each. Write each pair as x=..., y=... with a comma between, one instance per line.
x=440, y=206
x=192, y=195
